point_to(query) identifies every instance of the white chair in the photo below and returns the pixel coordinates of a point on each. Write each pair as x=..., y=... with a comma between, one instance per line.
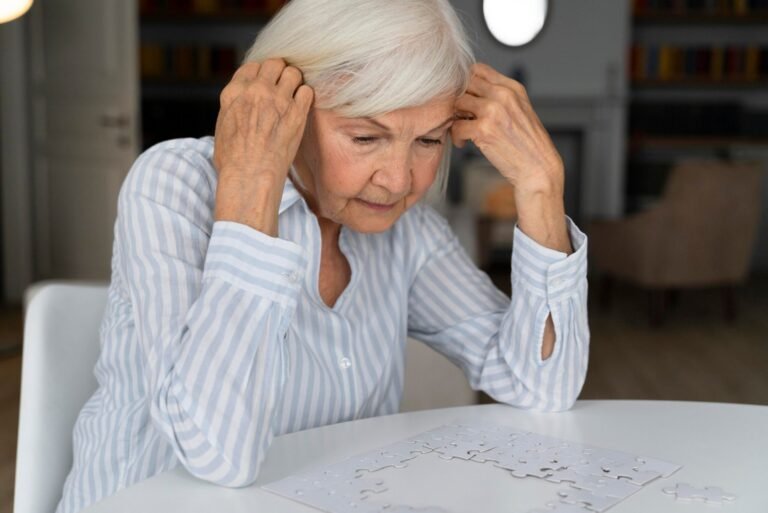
x=61, y=346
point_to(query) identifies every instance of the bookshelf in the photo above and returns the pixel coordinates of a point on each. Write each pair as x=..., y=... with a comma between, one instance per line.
x=698, y=80
x=188, y=51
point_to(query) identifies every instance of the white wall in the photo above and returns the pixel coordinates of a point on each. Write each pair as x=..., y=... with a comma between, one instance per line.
x=580, y=51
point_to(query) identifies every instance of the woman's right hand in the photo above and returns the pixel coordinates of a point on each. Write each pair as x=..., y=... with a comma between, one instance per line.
x=261, y=121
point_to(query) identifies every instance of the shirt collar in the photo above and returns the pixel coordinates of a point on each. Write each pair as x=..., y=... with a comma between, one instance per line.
x=290, y=196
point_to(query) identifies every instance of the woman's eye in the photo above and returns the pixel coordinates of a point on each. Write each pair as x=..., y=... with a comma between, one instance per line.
x=363, y=140
x=431, y=142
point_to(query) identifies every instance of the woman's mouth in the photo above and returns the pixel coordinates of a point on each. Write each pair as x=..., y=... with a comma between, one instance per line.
x=378, y=207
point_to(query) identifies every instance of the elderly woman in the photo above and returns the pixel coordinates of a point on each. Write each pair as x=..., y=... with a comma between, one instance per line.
x=265, y=281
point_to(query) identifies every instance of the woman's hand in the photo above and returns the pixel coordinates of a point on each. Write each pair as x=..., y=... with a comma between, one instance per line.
x=261, y=121
x=507, y=131
x=510, y=135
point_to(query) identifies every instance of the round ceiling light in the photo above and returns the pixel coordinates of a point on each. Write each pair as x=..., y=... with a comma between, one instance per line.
x=514, y=22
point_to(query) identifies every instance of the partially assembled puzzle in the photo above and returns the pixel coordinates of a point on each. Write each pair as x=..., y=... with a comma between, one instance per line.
x=592, y=478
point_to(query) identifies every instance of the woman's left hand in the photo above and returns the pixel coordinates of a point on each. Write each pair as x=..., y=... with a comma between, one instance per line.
x=508, y=132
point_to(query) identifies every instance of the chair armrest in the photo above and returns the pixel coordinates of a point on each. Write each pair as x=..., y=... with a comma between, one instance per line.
x=628, y=247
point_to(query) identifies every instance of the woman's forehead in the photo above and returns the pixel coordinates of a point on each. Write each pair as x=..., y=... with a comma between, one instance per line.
x=428, y=117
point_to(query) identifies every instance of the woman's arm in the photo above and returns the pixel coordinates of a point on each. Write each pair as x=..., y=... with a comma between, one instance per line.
x=211, y=309
x=542, y=218
x=499, y=342
x=497, y=115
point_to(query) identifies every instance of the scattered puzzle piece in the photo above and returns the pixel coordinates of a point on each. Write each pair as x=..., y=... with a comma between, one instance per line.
x=585, y=497
x=409, y=509
x=710, y=494
x=607, y=487
x=664, y=468
x=560, y=507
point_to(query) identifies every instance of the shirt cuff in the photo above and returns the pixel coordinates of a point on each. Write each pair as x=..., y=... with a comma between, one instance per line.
x=546, y=272
x=267, y=266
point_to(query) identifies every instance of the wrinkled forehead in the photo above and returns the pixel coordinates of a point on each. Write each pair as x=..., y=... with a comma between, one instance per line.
x=428, y=117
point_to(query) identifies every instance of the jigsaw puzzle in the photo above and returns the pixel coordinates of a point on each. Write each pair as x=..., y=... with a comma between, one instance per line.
x=594, y=478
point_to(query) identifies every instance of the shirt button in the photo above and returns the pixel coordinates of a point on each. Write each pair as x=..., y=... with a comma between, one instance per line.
x=345, y=363
x=293, y=276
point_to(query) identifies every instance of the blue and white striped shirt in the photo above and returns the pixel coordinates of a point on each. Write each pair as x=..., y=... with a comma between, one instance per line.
x=215, y=338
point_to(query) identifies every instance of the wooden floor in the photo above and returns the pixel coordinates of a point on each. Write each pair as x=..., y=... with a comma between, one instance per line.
x=694, y=356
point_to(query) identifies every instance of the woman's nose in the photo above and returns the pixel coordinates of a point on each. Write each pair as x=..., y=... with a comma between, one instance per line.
x=395, y=174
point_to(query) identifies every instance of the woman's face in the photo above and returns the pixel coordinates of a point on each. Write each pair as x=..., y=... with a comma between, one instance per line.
x=365, y=172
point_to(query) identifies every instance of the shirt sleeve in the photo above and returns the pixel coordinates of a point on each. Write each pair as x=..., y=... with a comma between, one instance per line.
x=211, y=305
x=455, y=308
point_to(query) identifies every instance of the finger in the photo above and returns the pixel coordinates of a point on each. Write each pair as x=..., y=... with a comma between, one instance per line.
x=486, y=72
x=304, y=97
x=271, y=69
x=289, y=80
x=479, y=86
x=474, y=105
x=463, y=130
x=247, y=71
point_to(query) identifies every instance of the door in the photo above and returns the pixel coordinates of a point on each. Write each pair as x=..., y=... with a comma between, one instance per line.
x=85, y=119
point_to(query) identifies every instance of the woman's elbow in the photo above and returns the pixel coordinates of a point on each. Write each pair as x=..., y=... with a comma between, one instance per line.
x=223, y=472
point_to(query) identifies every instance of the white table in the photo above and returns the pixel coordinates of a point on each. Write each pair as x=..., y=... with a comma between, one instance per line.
x=718, y=444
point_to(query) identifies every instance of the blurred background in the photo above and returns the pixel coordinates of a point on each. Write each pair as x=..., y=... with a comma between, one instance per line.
x=659, y=109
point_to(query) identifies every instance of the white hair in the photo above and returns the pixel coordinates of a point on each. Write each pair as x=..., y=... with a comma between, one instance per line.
x=364, y=58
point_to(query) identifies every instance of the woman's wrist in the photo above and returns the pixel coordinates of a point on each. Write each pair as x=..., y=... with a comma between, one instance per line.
x=253, y=201
x=541, y=216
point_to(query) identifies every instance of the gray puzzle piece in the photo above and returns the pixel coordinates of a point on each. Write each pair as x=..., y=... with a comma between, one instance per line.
x=409, y=509
x=566, y=475
x=710, y=494
x=592, y=501
x=605, y=486
x=560, y=507
x=379, y=460
x=523, y=468
x=408, y=450
x=334, y=494
x=664, y=468
x=630, y=472
x=608, y=468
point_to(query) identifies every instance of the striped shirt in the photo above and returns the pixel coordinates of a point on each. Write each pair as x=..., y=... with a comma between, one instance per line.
x=215, y=338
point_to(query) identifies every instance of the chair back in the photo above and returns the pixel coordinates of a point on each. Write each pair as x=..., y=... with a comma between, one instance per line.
x=712, y=215
x=61, y=346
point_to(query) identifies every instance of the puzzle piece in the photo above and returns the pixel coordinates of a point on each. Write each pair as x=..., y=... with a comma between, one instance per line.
x=606, y=487
x=379, y=460
x=408, y=450
x=567, y=455
x=709, y=494
x=409, y=509
x=664, y=468
x=456, y=450
x=566, y=475
x=524, y=468
x=333, y=494
x=560, y=507
x=592, y=501
x=630, y=472
x=609, y=468
x=434, y=439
